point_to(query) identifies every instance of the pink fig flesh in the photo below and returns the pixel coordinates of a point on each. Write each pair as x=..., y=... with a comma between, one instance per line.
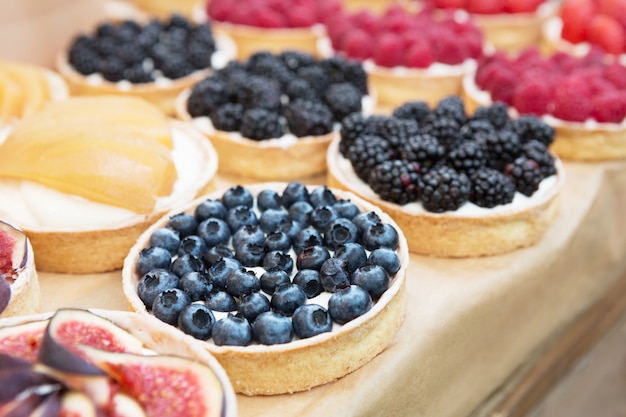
x=23, y=340
x=13, y=251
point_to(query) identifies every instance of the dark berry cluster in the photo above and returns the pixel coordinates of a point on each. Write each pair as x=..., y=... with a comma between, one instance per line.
x=273, y=94
x=140, y=53
x=241, y=269
x=444, y=158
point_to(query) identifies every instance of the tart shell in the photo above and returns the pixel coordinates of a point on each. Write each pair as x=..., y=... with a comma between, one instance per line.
x=25, y=292
x=305, y=363
x=445, y=235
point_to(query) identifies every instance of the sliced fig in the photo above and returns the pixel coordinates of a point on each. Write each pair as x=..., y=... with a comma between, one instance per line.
x=5, y=294
x=125, y=406
x=77, y=404
x=13, y=251
x=16, y=381
x=23, y=340
x=22, y=406
x=50, y=407
x=13, y=362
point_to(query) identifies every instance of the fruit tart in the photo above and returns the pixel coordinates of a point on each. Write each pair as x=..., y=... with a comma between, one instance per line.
x=26, y=88
x=154, y=60
x=19, y=284
x=107, y=363
x=582, y=98
x=272, y=25
x=288, y=286
x=83, y=177
x=408, y=57
x=458, y=184
x=272, y=116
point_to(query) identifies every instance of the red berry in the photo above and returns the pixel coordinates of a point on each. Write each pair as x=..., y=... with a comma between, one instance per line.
x=572, y=100
x=607, y=33
x=301, y=17
x=575, y=14
x=337, y=27
x=615, y=73
x=485, y=6
x=268, y=18
x=501, y=85
x=389, y=50
x=418, y=54
x=521, y=6
x=609, y=107
x=532, y=96
x=365, y=20
x=327, y=8
x=450, y=4
x=614, y=8
x=447, y=49
x=219, y=10
x=358, y=44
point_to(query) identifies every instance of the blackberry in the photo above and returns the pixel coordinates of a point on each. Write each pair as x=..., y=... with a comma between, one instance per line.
x=445, y=129
x=491, y=188
x=295, y=60
x=258, y=91
x=395, y=181
x=475, y=127
x=259, y=124
x=352, y=126
x=130, y=53
x=271, y=66
x=356, y=75
x=199, y=54
x=413, y=110
x=398, y=131
x=375, y=123
x=498, y=114
x=444, y=189
x=300, y=88
x=343, y=99
x=206, y=96
x=176, y=66
x=526, y=174
x=538, y=152
x=467, y=157
x=424, y=149
x=178, y=21
x=451, y=107
x=227, y=117
x=481, y=113
x=137, y=74
x=84, y=59
x=501, y=148
x=531, y=127
x=366, y=152
x=308, y=118
x=316, y=76
x=112, y=69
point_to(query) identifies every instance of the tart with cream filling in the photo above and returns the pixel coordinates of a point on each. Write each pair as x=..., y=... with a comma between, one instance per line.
x=334, y=295
x=106, y=167
x=458, y=186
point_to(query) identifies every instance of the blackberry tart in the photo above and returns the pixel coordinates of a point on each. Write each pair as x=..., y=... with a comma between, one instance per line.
x=458, y=185
x=272, y=117
x=289, y=286
x=154, y=60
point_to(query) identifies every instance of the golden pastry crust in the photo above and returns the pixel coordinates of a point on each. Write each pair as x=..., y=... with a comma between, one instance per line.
x=456, y=236
x=164, y=8
x=25, y=292
x=305, y=363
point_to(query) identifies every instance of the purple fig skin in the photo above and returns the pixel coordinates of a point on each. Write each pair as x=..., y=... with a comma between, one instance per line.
x=25, y=407
x=15, y=381
x=12, y=362
x=5, y=293
x=57, y=356
x=51, y=407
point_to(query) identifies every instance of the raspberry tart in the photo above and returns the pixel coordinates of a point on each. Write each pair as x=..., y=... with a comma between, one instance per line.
x=408, y=57
x=155, y=60
x=458, y=185
x=273, y=116
x=19, y=284
x=106, y=167
x=108, y=363
x=582, y=98
x=289, y=286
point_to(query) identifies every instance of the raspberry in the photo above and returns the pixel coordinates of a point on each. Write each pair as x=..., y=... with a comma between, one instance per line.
x=609, y=107
x=447, y=49
x=389, y=51
x=615, y=73
x=337, y=26
x=358, y=44
x=575, y=15
x=615, y=9
x=607, y=33
x=267, y=18
x=532, y=96
x=327, y=8
x=219, y=10
x=301, y=17
x=502, y=84
x=568, y=105
x=485, y=6
x=450, y=4
x=395, y=20
x=521, y=6
x=418, y=55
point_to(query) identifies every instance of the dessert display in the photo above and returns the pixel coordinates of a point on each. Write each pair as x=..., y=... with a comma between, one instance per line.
x=154, y=60
x=289, y=286
x=83, y=177
x=26, y=88
x=272, y=25
x=408, y=57
x=458, y=184
x=582, y=98
x=19, y=284
x=107, y=363
x=273, y=116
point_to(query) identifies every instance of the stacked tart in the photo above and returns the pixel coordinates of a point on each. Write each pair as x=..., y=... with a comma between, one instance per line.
x=273, y=116
x=288, y=286
x=107, y=363
x=106, y=167
x=582, y=98
x=19, y=284
x=459, y=185
x=154, y=60
x=408, y=57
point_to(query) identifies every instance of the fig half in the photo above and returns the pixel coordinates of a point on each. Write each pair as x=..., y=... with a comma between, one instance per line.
x=13, y=259
x=23, y=340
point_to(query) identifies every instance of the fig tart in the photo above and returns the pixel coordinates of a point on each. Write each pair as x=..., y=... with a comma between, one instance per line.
x=108, y=363
x=459, y=185
x=272, y=117
x=105, y=168
x=288, y=286
x=19, y=284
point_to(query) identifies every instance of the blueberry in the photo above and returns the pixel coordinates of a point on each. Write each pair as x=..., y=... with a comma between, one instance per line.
x=287, y=298
x=300, y=211
x=380, y=235
x=346, y=209
x=214, y=254
x=153, y=283
x=348, y=303
x=220, y=270
x=197, y=320
x=334, y=273
x=322, y=196
x=339, y=232
x=194, y=245
x=237, y=196
x=278, y=260
x=272, y=279
x=290, y=227
x=353, y=253
x=185, y=224
x=239, y=216
x=250, y=254
x=153, y=257
x=250, y=306
x=166, y=238
x=268, y=199
x=168, y=305
x=294, y=191
x=372, y=278
x=322, y=216
x=277, y=241
x=385, y=257
x=249, y=233
x=310, y=320
x=233, y=331
x=365, y=219
x=214, y=232
x=271, y=218
x=309, y=281
x=221, y=301
x=271, y=328
x=305, y=238
x=187, y=263
x=312, y=257
x=197, y=285
x=242, y=282
x=210, y=208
